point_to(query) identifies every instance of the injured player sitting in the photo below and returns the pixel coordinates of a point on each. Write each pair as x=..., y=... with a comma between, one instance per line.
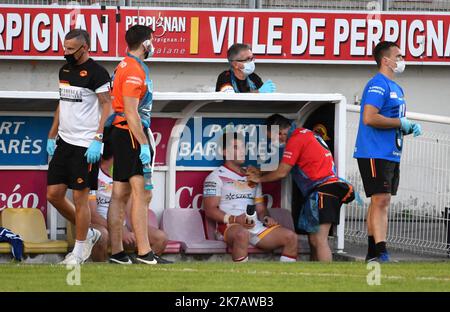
x=226, y=196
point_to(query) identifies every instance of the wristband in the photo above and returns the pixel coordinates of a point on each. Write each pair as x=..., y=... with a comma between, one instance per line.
x=226, y=219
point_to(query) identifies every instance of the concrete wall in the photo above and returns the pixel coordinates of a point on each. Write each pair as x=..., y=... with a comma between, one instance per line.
x=427, y=88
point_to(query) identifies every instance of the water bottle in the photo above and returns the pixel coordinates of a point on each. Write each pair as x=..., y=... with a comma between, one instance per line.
x=147, y=170
x=251, y=216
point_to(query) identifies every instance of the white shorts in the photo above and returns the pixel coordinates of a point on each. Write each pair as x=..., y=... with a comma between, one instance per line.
x=258, y=232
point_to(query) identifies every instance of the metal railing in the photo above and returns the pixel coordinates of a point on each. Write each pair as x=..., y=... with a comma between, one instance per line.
x=144, y=3
x=416, y=5
x=379, y=5
x=419, y=216
x=322, y=5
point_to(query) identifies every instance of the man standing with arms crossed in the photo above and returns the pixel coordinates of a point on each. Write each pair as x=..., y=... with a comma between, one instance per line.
x=84, y=106
x=132, y=103
x=379, y=143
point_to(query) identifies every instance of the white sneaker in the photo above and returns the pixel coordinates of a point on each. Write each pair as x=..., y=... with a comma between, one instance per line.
x=71, y=259
x=91, y=239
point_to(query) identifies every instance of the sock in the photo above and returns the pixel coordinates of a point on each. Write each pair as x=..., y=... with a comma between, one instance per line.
x=286, y=258
x=78, y=248
x=380, y=248
x=371, y=250
x=241, y=259
x=119, y=255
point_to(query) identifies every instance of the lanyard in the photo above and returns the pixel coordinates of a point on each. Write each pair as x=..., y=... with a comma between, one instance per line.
x=250, y=83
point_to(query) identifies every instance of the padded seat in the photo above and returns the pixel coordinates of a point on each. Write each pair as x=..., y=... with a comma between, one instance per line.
x=29, y=223
x=186, y=226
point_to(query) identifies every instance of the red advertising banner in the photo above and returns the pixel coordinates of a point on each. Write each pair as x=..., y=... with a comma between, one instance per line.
x=205, y=35
x=38, y=32
x=23, y=189
x=189, y=192
x=161, y=128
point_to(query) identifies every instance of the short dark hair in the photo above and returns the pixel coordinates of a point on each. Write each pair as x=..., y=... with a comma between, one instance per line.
x=235, y=49
x=278, y=120
x=381, y=50
x=137, y=34
x=232, y=136
x=80, y=34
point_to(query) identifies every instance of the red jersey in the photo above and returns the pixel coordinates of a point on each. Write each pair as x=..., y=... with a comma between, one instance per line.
x=312, y=160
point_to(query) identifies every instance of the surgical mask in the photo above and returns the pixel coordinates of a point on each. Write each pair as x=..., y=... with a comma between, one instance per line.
x=70, y=58
x=149, y=49
x=400, y=67
x=249, y=68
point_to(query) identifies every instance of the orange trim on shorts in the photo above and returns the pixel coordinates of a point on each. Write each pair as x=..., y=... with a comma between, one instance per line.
x=349, y=193
x=267, y=231
x=226, y=229
x=373, y=168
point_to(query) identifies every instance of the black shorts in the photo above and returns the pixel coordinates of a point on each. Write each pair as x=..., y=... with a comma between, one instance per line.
x=331, y=197
x=69, y=166
x=379, y=176
x=126, y=151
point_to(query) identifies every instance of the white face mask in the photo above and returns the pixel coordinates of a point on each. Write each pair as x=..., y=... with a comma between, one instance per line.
x=149, y=49
x=249, y=68
x=400, y=67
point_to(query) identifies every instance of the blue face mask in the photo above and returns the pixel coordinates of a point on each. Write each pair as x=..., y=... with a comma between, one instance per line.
x=249, y=68
x=291, y=129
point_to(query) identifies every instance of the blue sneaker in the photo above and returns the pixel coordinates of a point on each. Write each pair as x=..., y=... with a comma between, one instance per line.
x=383, y=257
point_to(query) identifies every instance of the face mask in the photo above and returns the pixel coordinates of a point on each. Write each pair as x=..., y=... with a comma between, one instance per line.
x=70, y=58
x=400, y=67
x=148, y=48
x=249, y=68
x=291, y=129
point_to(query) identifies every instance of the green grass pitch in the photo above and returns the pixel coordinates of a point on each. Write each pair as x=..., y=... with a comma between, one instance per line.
x=227, y=276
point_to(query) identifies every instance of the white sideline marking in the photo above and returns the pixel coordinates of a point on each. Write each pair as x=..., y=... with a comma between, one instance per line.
x=391, y=277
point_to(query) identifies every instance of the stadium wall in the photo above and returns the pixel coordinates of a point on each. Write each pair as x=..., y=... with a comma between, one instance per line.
x=426, y=87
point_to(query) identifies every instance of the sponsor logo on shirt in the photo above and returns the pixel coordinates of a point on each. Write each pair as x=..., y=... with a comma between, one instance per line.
x=70, y=95
x=394, y=95
x=210, y=188
x=232, y=196
x=209, y=191
x=376, y=89
x=83, y=73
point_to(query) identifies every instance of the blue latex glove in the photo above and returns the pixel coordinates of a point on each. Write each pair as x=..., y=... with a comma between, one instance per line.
x=268, y=87
x=406, y=125
x=93, y=152
x=51, y=146
x=145, y=123
x=145, y=154
x=416, y=129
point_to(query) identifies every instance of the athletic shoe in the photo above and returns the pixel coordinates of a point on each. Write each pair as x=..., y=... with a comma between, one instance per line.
x=120, y=259
x=92, y=238
x=382, y=258
x=71, y=259
x=162, y=260
x=150, y=258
